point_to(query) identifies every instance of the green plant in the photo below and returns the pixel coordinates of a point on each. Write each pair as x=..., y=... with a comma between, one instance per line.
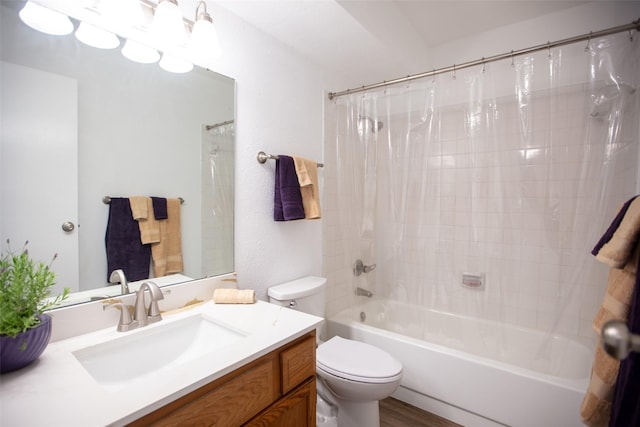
x=25, y=286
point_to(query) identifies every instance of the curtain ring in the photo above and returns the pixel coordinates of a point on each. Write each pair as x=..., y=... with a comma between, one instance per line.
x=630, y=35
x=512, y=64
x=483, y=65
x=454, y=72
x=588, y=46
x=549, y=50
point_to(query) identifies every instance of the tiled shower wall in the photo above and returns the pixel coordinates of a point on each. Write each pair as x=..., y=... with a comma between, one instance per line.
x=515, y=200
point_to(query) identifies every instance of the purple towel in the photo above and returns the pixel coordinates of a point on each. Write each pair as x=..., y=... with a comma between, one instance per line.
x=159, y=208
x=122, y=241
x=287, y=200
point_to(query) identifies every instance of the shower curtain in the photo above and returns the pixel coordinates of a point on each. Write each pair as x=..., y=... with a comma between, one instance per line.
x=507, y=173
x=217, y=209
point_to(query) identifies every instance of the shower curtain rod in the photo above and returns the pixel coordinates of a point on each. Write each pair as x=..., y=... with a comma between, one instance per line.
x=217, y=125
x=635, y=25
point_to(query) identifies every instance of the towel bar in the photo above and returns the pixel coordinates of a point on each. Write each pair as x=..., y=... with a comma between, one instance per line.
x=107, y=199
x=263, y=157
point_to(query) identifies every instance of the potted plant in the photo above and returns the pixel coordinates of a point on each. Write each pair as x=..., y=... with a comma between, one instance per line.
x=25, y=286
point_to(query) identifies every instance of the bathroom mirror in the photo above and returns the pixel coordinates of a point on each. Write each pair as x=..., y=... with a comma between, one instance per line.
x=112, y=127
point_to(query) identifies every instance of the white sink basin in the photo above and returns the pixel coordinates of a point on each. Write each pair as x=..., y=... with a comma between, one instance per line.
x=150, y=350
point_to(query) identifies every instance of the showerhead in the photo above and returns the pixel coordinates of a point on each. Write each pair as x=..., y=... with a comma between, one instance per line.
x=375, y=126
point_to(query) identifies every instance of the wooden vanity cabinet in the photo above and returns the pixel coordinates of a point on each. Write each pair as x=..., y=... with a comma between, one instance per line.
x=276, y=390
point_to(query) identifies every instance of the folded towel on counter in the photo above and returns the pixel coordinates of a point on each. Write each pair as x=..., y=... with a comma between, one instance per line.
x=307, y=172
x=287, y=201
x=159, y=207
x=167, y=252
x=619, y=249
x=122, y=240
x=234, y=296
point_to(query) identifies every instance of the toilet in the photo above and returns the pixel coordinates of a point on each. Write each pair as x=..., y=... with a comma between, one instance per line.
x=352, y=376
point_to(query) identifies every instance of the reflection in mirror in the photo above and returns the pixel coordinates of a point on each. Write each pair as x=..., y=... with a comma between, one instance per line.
x=80, y=123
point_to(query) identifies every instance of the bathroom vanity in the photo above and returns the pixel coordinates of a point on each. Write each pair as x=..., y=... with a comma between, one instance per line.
x=231, y=365
x=278, y=389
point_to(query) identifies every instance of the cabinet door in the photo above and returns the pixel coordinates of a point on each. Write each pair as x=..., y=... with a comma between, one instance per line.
x=296, y=409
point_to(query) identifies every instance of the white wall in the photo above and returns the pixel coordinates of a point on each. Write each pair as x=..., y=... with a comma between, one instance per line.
x=593, y=16
x=279, y=103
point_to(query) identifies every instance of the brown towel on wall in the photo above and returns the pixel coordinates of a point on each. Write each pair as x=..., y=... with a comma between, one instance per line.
x=621, y=254
x=307, y=171
x=142, y=210
x=167, y=253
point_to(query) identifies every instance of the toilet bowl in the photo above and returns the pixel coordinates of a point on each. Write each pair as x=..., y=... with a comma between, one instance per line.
x=355, y=376
x=352, y=376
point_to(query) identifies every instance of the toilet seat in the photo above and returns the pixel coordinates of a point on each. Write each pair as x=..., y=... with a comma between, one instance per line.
x=357, y=361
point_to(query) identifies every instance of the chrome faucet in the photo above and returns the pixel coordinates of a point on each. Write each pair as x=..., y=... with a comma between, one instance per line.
x=126, y=323
x=361, y=292
x=143, y=315
x=117, y=276
x=360, y=268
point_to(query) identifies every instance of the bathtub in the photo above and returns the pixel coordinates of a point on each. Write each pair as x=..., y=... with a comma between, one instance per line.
x=474, y=372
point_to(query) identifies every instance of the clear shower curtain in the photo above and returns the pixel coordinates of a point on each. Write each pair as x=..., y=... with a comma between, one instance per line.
x=217, y=210
x=509, y=172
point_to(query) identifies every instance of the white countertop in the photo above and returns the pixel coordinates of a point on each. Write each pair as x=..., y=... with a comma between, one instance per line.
x=56, y=390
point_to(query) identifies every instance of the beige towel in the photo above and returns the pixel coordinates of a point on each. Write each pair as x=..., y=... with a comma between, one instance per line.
x=142, y=210
x=234, y=296
x=621, y=254
x=167, y=253
x=307, y=171
x=616, y=252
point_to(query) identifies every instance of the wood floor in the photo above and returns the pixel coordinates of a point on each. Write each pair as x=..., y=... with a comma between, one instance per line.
x=395, y=413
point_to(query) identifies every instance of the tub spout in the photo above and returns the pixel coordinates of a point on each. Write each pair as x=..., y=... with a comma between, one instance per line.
x=363, y=293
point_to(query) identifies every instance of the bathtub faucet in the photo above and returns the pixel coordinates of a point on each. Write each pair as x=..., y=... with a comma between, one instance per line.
x=363, y=293
x=360, y=268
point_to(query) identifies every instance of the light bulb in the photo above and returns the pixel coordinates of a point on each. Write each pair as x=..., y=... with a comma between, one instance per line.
x=45, y=20
x=167, y=26
x=138, y=52
x=127, y=13
x=91, y=35
x=203, y=45
x=175, y=65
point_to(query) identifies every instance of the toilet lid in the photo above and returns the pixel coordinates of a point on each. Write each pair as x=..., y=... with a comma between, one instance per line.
x=357, y=361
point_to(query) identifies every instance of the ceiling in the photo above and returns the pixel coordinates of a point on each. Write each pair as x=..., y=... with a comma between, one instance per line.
x=395, y=35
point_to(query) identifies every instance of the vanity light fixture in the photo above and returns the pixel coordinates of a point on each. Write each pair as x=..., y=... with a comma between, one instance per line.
x=139, y=52
x=45, y=20
x=128, y=13
x=167, y=26
x=174, y=65
x=203, y=44
x=91, y=35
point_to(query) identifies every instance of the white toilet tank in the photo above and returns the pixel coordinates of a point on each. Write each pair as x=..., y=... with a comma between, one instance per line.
x=306, y=294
